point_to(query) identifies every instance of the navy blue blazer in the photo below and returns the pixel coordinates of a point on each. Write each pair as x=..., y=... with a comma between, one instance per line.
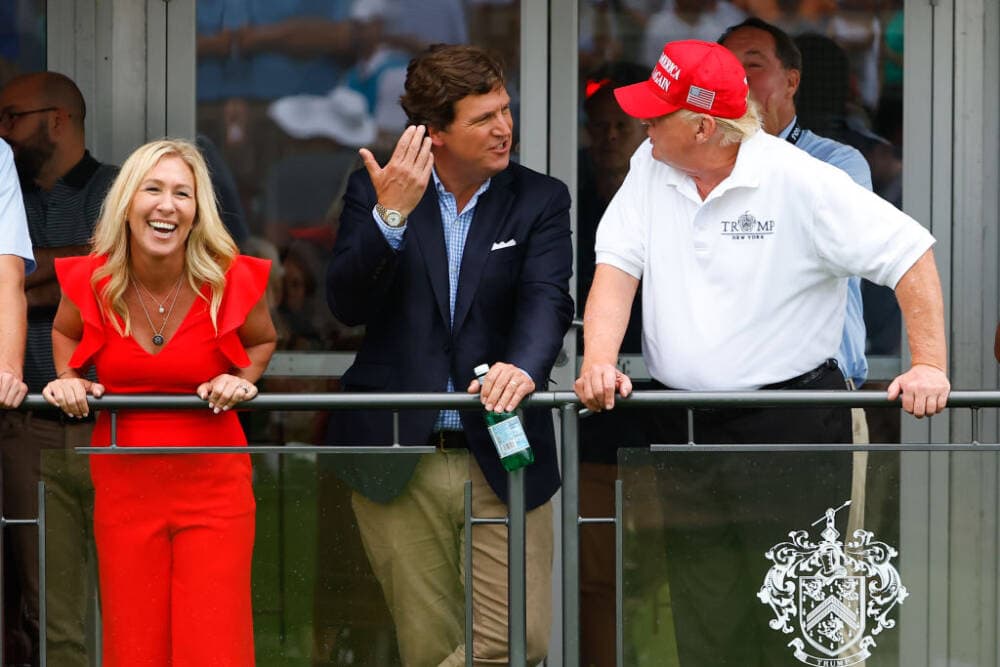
x=513, y=305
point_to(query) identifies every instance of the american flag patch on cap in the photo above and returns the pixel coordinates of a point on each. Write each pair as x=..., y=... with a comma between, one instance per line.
x=701, y=97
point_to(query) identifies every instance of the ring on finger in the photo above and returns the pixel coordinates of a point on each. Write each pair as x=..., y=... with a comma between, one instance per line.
x=245, y=388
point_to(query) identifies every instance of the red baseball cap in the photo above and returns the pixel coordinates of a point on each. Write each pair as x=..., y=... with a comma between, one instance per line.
x=703, y=77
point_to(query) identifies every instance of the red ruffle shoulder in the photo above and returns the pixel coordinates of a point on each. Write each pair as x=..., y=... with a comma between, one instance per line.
x=246, y=282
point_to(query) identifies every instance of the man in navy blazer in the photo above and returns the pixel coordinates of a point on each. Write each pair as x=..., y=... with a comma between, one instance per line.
x=452, y=256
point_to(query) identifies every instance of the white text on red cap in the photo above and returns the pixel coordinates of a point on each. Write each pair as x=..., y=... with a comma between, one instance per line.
x=669, y=68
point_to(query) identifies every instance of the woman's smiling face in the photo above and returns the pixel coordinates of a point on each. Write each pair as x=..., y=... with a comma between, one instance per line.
x=163, y=209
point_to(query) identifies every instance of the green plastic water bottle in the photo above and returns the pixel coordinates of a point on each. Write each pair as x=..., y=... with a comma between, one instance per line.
x=507, y=433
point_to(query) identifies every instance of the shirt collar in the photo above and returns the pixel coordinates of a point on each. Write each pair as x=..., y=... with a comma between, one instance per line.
x=746, y=171
x=442, y=191
x=788, y=128
x=77, y=177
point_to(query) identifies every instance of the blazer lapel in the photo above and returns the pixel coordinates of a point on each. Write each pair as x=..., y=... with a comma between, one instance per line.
x=491, y=212
x=428, y=231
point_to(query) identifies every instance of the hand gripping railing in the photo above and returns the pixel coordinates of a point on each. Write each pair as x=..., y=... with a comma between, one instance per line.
x=567, y=405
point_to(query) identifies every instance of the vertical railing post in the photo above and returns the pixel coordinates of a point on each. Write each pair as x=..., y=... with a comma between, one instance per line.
x=619, y=573
x=42, y=579
x=282, y=598
x=3, y=529
x=516, y=574
x=468, y=573
x=570, y=536
x=975, y=424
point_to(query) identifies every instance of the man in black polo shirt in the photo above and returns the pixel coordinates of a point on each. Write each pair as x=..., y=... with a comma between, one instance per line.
x=63, y=189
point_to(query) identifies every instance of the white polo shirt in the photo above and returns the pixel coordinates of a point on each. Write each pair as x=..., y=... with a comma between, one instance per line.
x=14, y=237
x=748, y=287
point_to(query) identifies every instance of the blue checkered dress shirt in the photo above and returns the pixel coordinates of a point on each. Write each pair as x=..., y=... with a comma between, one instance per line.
x=456, y=229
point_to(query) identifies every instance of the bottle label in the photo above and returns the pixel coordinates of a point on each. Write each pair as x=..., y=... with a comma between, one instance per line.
x=509, y=437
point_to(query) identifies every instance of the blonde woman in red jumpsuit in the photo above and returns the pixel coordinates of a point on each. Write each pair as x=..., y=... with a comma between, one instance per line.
x=164, y=304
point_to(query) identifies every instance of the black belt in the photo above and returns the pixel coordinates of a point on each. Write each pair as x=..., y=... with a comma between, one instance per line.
x=448, y=440
x=803, y=381
x=806, y=378
x=60, y=417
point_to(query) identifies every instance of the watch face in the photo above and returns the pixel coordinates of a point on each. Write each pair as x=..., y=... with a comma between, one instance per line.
x=393, y=218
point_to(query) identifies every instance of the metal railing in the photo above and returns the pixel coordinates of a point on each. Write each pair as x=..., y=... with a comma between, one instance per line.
x=567, y=406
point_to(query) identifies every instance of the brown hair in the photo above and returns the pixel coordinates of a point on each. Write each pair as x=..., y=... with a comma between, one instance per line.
x=444, y=74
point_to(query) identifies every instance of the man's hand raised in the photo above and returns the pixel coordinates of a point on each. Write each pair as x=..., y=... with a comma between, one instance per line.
x=400, y=184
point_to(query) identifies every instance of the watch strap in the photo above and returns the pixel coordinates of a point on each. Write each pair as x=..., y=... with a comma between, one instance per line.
x=385, y=214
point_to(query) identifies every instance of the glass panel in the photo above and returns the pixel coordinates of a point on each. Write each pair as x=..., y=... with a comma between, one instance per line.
x=702, y=534
x=22, y=38
x=316, y=601
x=286, y=93
x=71, y=594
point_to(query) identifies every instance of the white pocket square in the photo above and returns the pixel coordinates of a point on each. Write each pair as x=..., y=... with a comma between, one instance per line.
x=499, y=245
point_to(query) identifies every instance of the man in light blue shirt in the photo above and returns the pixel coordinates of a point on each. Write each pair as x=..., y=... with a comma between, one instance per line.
x=774, y=65
x=851, y=355
x=16, y=260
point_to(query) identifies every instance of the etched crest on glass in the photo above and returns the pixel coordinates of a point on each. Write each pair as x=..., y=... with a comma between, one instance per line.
x=836, y=596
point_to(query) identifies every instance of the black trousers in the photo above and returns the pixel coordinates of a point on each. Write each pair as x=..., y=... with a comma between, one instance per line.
x=723, y=511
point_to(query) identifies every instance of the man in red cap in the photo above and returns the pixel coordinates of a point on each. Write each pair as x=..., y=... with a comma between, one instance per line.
x=744, y=245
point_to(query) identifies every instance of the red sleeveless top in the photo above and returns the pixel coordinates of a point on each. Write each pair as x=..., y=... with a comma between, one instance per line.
x=194, y=354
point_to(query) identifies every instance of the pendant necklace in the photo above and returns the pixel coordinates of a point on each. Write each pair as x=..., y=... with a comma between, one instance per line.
x=157, y=333
x=160, y=306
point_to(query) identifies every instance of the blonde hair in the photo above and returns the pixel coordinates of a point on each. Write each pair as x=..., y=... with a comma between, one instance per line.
x=731, y=130
x=209, y=250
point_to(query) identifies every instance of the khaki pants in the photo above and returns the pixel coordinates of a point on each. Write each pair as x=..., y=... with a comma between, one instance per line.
x=859, y=436
x=35, y=449
x=416, y=544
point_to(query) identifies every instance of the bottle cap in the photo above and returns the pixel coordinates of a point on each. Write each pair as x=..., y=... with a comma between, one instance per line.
x=481, y=370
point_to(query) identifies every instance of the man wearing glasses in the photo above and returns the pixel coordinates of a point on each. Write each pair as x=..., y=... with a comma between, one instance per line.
x=42, y=118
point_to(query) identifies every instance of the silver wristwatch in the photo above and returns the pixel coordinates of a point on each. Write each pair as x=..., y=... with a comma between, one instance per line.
x=390, y=217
